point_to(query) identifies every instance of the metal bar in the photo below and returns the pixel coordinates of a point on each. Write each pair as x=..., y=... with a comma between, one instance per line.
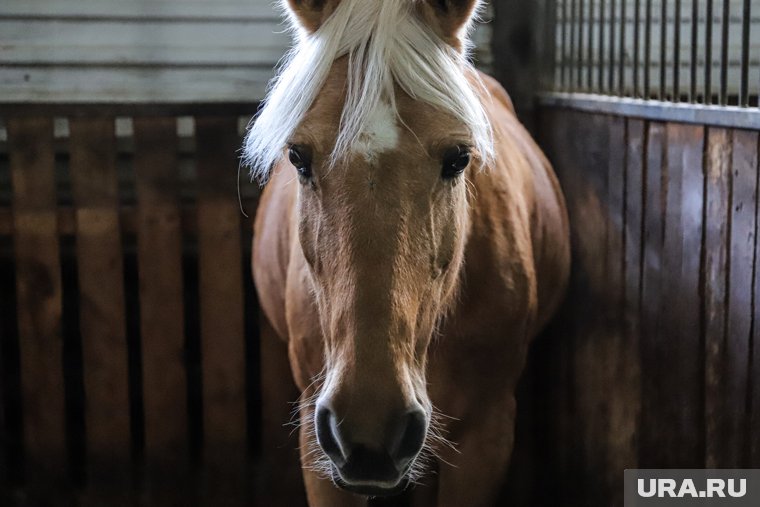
x=677, y=52
x=563, y=48
x=602, y=24
x=663, y=49
x=718, y=116
x=636, y=22
x=579, y=83
x=572, y=43
x=707, y=99
x=694, y=53
x=744, y=94
x=611, y=69
x=724, y=53
x=647, y=49
x=621, y=61
x=590, y=57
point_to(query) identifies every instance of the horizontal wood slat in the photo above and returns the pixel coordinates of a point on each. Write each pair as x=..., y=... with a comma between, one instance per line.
x=87, y=43
x=152, y=85
x=138, y=9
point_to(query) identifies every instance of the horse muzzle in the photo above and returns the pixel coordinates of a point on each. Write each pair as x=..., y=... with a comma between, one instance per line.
x=372, y=468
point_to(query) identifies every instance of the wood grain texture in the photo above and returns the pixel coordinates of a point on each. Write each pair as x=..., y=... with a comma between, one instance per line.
x=87, y=42
x=221, y=306
x=159, y=251
x=753, y=447
x=620, y=363
x=681, y=374
x=38, y=293
x=716, y=232
x=688, y=247
x=629, y=358
x=653, y=434
x=101, y=306
x=159, y=85
x=739, y=299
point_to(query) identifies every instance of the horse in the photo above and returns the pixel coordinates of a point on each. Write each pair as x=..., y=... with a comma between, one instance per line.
x=410, y=241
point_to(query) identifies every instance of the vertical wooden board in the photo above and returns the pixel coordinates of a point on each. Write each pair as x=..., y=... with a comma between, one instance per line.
x=691, y=353
x=39, y=301
x=631, y=314
x=159, y=251
x=653, y=431
x=221, y=306
x=589, y=211
x=102, y=312
x=619, y=356
x=680, y=372
x=739, y=298
x=754, y=378
x=717, y=203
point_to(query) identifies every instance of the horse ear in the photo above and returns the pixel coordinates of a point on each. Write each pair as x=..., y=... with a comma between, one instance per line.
x=310, y=14
x=449, y=17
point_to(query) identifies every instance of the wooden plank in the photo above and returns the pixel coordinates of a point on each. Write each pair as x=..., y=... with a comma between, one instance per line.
x=635, y=174
x=754, y=377
x=221, y=307
x=159, y=253
x=739, y=310
x=199, y=10
x=653, y=432
x=217, y=44
x=716, y=227
x=590, y=215
x=38, y=286
x=129, y=84
x=680, y=372
x=102, y=313
x=620, y=360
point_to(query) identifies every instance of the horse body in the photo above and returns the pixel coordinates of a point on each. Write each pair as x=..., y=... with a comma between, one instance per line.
x=394, y=300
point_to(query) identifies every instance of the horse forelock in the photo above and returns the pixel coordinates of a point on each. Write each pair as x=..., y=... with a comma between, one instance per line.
x=387, y=45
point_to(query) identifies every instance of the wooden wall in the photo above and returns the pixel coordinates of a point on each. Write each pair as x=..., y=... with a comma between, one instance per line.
x=161, y=51
x=129, y=338
x=654, y=360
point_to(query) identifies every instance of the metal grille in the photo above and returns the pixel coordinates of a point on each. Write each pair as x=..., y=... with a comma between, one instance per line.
x=693, y=51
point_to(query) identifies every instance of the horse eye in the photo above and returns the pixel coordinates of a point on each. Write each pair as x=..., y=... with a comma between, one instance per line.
x=300, y=160
x=455, y=161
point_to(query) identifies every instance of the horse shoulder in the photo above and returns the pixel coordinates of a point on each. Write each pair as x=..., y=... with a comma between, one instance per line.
x=549, y=225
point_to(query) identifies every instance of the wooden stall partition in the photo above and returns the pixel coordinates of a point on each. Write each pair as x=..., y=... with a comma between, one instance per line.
x=221, y=312
x=159, y=260
x=658, y=336
x=100, y=267
x=39, y=305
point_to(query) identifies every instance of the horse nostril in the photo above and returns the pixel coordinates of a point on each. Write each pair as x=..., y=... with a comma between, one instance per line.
x=411, y=436
x=324, y=422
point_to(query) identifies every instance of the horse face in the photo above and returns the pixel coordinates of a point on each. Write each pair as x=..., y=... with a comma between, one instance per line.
x=383, y=233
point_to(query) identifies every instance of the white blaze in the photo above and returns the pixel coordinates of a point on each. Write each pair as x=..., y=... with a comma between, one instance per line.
x=380, y=133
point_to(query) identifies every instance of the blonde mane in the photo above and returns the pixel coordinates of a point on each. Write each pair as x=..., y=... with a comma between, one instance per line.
x=386, y=43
